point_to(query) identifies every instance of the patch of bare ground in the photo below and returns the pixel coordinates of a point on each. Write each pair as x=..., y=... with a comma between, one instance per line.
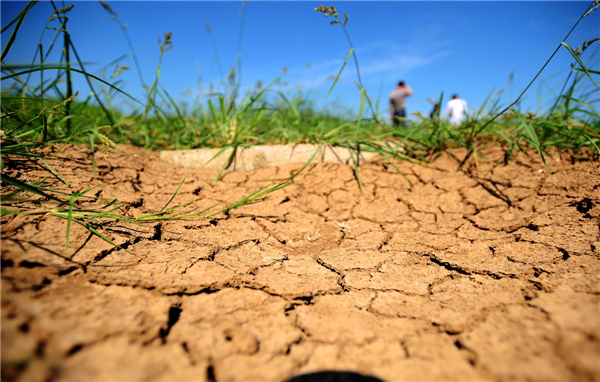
x=491, y=273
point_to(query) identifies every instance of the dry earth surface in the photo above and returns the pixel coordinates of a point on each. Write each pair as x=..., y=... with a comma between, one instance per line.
x=491, y=273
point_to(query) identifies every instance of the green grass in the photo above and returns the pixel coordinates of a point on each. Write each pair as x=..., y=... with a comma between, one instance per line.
x=49, y=114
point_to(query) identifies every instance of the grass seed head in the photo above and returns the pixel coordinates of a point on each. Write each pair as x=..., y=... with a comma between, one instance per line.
x=593, y=7
x=65, y=9
x=65, y=102
x=105, y=144
x=328, y=12
x=118, y=70
x=166, y=44
x=590, y=42
x=232, y=130
x=58, y=30
x=108, y=9
x=334, y=11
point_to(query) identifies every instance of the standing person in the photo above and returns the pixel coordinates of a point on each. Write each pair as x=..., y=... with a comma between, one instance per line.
x=456, y=109
x=434, y=112
x=398, y=103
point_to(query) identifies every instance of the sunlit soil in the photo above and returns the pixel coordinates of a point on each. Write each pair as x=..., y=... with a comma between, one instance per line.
x=487, y=273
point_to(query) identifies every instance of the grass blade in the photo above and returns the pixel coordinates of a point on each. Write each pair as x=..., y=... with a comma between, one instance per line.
x=13, y=75
x=69, y=218
x=226, y=164
x=54, y=172
x=172, y=197
x=97, y=233
x=532, y=135
x=360, y=111
x=13, y=35
x=580, y=63
x=340, y=72
x=27, y=187
x=312, y=157
x=355, y=162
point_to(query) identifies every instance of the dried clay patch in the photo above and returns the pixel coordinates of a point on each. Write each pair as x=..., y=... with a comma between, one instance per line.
x=255, y=157
x=485, y=274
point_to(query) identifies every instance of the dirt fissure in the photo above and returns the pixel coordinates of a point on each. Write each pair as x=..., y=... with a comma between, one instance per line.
x=409, y=281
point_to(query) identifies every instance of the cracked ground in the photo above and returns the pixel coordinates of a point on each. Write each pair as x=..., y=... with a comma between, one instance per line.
x=491, y=273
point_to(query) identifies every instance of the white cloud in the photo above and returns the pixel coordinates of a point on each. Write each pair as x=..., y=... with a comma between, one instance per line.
x=427, y=32
x=401, y=63
x=377, y=59
x=387, y=63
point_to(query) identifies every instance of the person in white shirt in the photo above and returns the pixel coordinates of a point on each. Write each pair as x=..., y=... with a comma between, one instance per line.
x=456, y=109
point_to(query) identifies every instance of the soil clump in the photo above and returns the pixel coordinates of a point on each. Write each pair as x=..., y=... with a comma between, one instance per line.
x=490, y=273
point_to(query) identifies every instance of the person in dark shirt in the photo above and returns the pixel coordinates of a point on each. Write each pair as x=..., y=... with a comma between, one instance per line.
x=398, y=103
x=434, y=112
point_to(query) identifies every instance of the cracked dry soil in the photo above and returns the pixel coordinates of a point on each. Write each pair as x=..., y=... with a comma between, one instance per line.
x=491, y=273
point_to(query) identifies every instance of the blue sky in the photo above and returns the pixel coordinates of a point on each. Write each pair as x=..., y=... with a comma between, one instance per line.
x=467, y=48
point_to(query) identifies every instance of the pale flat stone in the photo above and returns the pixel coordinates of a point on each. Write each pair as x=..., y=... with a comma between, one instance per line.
x=255, y=157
